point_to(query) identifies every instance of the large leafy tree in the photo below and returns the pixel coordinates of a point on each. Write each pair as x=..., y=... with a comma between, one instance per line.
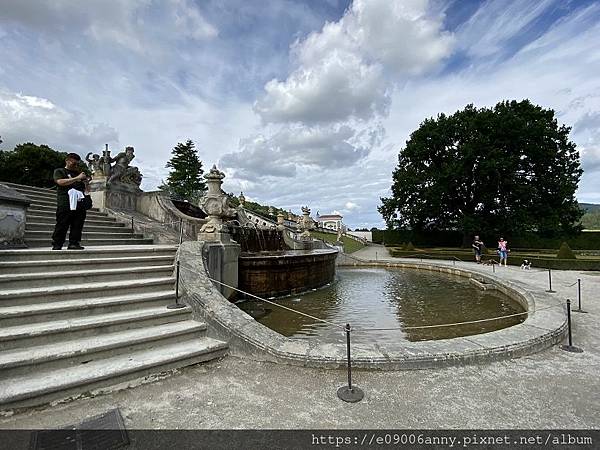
x=185, y=181
x=505, y=169
x=30, y=164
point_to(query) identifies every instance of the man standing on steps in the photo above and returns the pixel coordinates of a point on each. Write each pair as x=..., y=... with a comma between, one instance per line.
x=67, y=178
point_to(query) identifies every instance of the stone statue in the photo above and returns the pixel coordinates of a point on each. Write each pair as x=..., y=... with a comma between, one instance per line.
x=122, y=171
x=96, y=164
x=306, y=223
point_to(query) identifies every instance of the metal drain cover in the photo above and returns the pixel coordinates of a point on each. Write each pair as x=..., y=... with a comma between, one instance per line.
x=106, y=431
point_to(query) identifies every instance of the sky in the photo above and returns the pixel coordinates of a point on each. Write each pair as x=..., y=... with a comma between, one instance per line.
x=298, y=102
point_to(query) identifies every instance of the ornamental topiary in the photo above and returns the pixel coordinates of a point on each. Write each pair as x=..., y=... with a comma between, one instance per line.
x=565, y=252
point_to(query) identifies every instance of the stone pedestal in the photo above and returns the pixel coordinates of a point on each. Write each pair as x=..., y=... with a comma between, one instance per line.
x=221, y=262
x=116, y=195
x=13, y=210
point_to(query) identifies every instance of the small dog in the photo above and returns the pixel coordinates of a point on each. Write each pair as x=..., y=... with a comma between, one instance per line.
x=526, y=265
x=489, y=262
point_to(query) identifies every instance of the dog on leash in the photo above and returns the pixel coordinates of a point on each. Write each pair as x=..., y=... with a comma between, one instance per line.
x=526, y=265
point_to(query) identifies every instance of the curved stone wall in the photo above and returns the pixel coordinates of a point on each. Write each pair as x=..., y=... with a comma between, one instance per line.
x=159, y=207
x=544, y=326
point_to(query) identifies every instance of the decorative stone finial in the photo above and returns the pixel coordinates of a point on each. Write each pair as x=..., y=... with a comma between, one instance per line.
x=214, y=203
x=242, y=199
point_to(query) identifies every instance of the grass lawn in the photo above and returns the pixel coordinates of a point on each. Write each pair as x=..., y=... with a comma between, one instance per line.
x=350, y=245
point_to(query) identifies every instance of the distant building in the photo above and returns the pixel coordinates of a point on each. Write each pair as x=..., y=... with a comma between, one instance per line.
x=331, y=222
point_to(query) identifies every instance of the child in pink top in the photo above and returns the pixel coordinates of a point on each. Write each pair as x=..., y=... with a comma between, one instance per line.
x=503, y=251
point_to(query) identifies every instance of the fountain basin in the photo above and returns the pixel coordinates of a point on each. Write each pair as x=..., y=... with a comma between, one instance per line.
x=280, y=273
x=544, y=326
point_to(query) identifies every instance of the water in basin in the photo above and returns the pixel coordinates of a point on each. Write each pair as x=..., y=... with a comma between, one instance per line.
x=372, y=299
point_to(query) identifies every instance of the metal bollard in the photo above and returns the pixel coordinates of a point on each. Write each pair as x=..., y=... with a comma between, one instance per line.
x=176, y=305
x=550, y=281
x=579, y=310
x=570, y=347
x=349, y=394
x=132, y=230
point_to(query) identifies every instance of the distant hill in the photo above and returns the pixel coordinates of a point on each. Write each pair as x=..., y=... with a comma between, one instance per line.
x=590, y=207
x=591, y=218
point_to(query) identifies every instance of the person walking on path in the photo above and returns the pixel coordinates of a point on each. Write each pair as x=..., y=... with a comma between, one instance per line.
x=66, y=179
x=503, y=251
x=477, y=249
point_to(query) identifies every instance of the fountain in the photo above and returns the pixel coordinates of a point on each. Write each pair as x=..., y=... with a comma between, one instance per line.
x=261, y=260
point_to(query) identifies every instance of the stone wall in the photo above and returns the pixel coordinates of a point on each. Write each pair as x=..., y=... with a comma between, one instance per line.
x=158, y=206
x=13, y=213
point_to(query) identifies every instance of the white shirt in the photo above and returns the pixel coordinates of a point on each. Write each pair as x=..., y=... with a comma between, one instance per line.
x=74, y=197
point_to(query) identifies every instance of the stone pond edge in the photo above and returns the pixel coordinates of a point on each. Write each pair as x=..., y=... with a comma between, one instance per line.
x=542, y=329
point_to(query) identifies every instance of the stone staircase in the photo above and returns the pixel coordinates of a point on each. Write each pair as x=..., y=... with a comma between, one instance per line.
x=75, y=321
x=99, y=228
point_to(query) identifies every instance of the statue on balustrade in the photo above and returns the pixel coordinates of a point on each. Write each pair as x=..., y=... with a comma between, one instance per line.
x=120, y=172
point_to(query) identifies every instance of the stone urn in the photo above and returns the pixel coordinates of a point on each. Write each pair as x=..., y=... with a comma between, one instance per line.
x=214, y=203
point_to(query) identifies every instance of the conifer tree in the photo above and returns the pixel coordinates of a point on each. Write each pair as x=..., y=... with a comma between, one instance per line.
x=185, y=181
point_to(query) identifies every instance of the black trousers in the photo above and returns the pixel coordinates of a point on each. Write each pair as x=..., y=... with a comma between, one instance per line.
x=65, y=219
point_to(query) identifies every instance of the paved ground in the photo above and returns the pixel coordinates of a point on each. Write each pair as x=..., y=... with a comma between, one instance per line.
x=552, y=389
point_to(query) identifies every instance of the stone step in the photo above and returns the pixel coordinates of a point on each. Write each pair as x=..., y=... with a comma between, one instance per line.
x=116, y=233
x=47, y=203
x=61, y=265
x=38, y=209
x=41, y=387
x=33, y=190
x=50, y=220
x=45, y=242
x=35, y=201
x=82, y=351
x=44, y=312
x=32, y=255
x=108, y=227
x=89, y=275
x=33, y=334
x=15, y=297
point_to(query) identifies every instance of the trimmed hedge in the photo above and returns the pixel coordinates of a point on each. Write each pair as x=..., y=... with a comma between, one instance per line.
x=566, y=264
x=586, y=240
x=514, y=260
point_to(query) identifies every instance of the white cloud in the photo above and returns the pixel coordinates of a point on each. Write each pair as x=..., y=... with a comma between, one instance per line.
x=42, y=122
x=339, y=88
x=125, y=23
x=341, y=70
x=282, y=152
x=496, y=22
x=190, y=22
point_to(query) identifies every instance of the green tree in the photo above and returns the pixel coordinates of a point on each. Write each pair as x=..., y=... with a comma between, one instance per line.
x=505, y=169
x=30, y=164
x=185, y=181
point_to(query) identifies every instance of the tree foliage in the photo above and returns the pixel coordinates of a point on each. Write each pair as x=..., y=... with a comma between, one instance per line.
x=185, y=181
x=505, y=169
x=30, y=164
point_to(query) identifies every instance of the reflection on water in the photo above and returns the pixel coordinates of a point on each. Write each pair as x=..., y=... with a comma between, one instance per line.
x=373, y=298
